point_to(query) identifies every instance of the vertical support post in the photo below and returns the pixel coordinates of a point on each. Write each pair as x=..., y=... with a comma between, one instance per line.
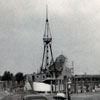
x=51, y=87
x=68, y=89
x=58, y=85
x=55, y=84
x=61, y=85
x=43, y=58
x=69, y=98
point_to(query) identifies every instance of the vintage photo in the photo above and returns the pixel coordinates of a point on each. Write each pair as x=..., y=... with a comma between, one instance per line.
x=49, y=50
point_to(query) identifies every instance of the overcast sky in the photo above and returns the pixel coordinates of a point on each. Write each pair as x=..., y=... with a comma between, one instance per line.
x=75, y=27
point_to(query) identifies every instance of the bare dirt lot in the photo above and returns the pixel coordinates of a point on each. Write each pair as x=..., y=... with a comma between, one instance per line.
x=85, y=96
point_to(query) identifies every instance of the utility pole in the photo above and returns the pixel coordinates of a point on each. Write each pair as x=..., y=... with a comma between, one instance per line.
x=69, y=89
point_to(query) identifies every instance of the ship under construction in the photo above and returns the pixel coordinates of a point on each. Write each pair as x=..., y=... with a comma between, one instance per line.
x=52, y=71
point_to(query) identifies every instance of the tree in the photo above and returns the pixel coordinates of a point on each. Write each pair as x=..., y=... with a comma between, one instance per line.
x=19, y=77
x=7, y=76
x=0, y=78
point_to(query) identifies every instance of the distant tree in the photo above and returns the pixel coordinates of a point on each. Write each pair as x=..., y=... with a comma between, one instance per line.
x=19, y=77
x=0, y=78
x=7, y=76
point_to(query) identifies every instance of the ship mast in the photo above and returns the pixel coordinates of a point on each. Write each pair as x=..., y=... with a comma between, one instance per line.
x=47, y=40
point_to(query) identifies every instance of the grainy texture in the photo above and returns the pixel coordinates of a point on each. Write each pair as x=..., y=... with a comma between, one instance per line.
x=89, y=96
x=15, y=96
x=12, y=97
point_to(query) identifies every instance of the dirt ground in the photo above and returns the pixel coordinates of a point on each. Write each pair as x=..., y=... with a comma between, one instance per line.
x=12, y=97
x=15, y=96
x=87, y=96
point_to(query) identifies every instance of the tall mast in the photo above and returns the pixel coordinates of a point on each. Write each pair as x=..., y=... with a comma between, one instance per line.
x=46, y=12
x=47, y=40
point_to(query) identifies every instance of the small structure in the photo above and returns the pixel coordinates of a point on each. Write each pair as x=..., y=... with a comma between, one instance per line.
x=55, y=72
x=86, y=83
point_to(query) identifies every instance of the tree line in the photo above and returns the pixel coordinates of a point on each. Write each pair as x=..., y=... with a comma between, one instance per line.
x=8, y=76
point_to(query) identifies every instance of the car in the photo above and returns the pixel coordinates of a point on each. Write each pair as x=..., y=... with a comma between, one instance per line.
x=59, y=96
x=38, y=97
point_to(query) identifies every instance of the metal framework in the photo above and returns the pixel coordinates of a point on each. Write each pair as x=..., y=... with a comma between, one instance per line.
x=47, y=59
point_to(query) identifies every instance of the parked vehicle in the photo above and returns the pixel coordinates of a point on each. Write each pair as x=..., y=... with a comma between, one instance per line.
x=59, y=96
x=38, y=97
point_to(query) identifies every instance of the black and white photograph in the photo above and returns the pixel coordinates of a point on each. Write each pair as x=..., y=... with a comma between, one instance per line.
x=49, y=49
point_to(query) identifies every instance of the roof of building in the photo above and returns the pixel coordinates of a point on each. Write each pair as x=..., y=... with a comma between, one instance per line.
x=87, y=76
